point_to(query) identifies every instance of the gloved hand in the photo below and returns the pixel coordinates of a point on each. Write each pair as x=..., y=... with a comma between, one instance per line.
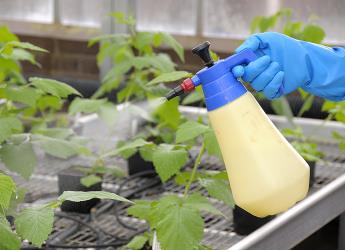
x=284, y=64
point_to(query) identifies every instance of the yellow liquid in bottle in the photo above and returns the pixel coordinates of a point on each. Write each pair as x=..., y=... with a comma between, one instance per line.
x=267, y=176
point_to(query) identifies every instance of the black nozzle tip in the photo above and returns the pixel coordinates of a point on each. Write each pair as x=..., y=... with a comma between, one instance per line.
x=174, y=92
x=203, y=51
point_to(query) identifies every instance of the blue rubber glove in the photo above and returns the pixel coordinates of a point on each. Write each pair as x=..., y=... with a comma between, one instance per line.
x=285, y=64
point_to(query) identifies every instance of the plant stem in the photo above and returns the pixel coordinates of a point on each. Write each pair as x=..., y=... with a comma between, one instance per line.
x=195, y=167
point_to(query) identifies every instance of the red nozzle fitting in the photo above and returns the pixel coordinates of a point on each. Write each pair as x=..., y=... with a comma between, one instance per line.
x=186, y=86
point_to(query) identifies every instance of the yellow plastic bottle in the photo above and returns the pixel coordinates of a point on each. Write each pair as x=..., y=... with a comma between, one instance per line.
x=267, y=176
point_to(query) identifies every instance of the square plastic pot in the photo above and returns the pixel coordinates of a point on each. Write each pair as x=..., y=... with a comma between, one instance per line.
x=246, y=223
x=136, y=165
x=69, y=180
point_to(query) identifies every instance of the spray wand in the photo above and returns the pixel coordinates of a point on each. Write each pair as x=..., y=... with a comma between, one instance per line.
x=188, y=84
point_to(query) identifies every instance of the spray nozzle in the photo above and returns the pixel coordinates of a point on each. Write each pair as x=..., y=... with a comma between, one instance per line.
x=202, y=50
x=186, y=86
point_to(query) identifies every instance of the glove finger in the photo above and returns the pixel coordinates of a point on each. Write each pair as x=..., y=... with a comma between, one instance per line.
x=252, y=43
x=255, y=68
x=272, y=90
x=238, y=71
x=262, y=80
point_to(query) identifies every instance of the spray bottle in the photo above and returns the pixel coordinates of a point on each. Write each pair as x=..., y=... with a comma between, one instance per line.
x=267, y=176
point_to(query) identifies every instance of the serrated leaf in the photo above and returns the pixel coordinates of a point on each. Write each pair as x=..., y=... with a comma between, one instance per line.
x=80, y=105
x=90, y=180
x=78, y=196
x=8, y=239
x=23, y=55
x=178, y=226
x=198, y=202
x=218, y=189
x=141, y=209
x=8, y=126
x=24, y=95
x=168, y=162
x=122, y=147
x=190, y=130
x=49, y=102
x=59, y=148
x=170, y=41
x=35, y=224
x=137, y=243
x=25, y=45
x=23, y=165
x=7, y=187
x=169, y=77
x=53, y=87
x=60, y=133
x=168, y=112
x=211, y=144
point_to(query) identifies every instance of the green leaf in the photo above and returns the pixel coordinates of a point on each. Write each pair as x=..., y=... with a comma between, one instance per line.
x=168, y=113
x=59, y=133
x=137, y=243
x=6, y=35
x=313, y=33
x=108, y=113
x=8, y=126
x=23, y=55
x=25, y=45
x=58, y=147
x=211, y=144
x=195, y=96
x=146, y=152
x=85, y=105
x=8, y=239
x=124, y=147
x=178, y=226
x=49, y=102
x=90, y=180
x=141, y=209
x=307, y=104
x=35, y=224
x=78, y=196
x=282, y=107
x=190, y=130
x=169, y=77
x=218, y=189
x=17, y=198
x=53, y=87
x=168, y=161
x=23, y=165
x=24, y=95
x=7, y=187
x=170, y=41
x=201, y=203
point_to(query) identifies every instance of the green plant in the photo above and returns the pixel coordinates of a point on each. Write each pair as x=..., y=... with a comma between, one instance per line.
x=308, y=32
x=29, y=117
x=306, y=148
x=336, y=110
x=177, y=220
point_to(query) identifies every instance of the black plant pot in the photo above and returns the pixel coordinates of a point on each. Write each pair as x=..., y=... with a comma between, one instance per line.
x=246, y=223
x=69, y=180
x=312, y=172
x=136, y=164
